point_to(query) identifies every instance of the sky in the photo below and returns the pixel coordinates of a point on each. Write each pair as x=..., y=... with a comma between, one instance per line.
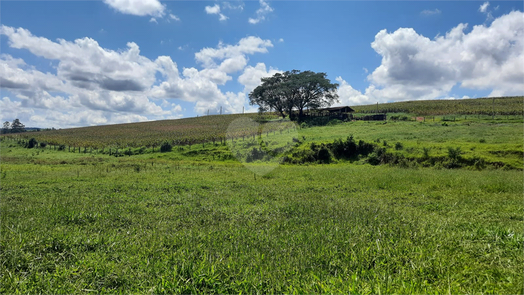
x=81, y=63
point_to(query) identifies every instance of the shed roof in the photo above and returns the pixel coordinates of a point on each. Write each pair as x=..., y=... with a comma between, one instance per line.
x=346, y=109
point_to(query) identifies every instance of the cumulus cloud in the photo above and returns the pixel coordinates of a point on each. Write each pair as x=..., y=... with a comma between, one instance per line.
x=116, y=86
x=201, y=86
x=261, y=13
x=249, y=45
x=138, y=7
x=251, y=77
x=215, y=9
x=416, y=67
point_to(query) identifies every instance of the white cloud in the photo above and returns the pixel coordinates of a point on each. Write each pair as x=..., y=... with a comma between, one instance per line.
x=430, y=12
x=416, y=67
x=228, y=5
x=106, y=82
x=216, y=10
x=138, y=7
x=251, y=76
x=174, y=17
x=153, y=20
x=261, y=13
x=484, y=7
x=202, y=86
x=249, y=45
x=281, y=40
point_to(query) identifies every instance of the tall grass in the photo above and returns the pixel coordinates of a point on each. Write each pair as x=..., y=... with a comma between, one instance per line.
x=77, y=224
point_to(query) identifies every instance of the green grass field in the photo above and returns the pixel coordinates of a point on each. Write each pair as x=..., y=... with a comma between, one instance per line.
x=197, y=220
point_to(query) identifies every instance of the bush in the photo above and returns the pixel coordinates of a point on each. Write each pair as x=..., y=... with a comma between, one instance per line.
x=398, y=146
x=166, y=147
x=61, y=147
x=323, y=155
x=425, y=152
x=334, y=122
x=32, y=143
x=43, y=144
x=255, y=154
x=454, y=153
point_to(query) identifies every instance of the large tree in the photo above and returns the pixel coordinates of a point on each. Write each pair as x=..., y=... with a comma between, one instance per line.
x=17, y=126
x=271, y=95
x=284, y=92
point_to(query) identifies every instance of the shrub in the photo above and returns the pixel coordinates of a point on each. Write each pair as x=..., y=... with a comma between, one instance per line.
x=454, y=153
x=43, y=144
x=398, y=146
x=480, y=163
x=334, y=122
x=482, y=140
x=323, y=155
x=32, y=143
x=61, y=147
x=425, y=152
x=255, y=154
x=165, y=147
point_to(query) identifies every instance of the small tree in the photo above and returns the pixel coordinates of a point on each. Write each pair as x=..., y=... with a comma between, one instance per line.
x=5, y=127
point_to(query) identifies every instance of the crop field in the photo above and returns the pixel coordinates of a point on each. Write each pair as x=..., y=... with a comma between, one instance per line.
x=147, y=134
x=513, y=105
x=419, y=207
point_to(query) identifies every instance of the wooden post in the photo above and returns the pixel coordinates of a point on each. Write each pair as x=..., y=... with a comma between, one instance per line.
x=493, y=110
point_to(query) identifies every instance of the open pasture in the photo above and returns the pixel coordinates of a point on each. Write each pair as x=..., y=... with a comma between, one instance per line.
x=75, y=223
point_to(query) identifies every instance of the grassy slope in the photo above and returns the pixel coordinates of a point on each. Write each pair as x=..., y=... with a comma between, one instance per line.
x=141, y=224
x=498, y=141
x=495, y=142
x=209, y=128
x=500, y=105
x=195, y=220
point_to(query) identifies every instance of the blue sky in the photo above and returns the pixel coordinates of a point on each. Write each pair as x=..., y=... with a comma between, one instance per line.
x=80, y=63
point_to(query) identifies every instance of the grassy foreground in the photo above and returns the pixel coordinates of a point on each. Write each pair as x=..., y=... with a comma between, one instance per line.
x=77, y=223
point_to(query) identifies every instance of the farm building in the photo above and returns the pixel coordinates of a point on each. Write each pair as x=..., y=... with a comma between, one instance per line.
x=339, y=112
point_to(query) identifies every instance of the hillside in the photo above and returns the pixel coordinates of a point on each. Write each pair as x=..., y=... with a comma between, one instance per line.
x=511, y=105
x=148, y=134
x=189, y=131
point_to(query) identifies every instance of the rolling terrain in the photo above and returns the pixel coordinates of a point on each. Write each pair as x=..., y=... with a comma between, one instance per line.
x=396, y=206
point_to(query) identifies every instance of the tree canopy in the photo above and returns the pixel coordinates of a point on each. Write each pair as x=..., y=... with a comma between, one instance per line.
x=17, y=126
x=294, y=90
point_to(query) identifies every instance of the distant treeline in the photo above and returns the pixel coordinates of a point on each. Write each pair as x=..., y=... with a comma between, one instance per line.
x=510, y=105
